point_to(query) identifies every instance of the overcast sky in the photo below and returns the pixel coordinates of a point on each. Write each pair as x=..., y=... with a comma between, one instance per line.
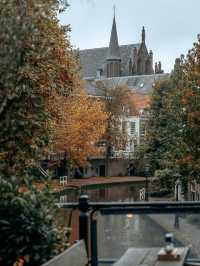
x=171, y=25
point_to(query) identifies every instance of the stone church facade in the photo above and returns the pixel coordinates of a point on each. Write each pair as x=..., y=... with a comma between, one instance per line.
x=118, y=60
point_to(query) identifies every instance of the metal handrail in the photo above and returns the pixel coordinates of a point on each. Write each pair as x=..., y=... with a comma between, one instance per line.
x=88, y=210
x=162, y=207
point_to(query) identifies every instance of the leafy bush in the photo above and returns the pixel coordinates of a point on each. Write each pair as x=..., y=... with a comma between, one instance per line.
x=166, y=178
x=26, y=225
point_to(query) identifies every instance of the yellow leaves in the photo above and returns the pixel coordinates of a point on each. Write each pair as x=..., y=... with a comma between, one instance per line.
x=80, y=123
x=34, y=146
x=30, y=162
x=186, y=98
x=3, y=155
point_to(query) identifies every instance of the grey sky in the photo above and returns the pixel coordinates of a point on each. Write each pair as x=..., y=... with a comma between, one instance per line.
x=171, y=25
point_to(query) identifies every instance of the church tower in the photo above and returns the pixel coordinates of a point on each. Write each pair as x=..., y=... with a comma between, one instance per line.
x=113, y=60
x=143, y=60
x=142, y=56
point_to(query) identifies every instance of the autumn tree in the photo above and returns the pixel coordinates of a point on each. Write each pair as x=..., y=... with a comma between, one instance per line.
x=118, y=104
x=37, y=66
x=37, y=62
x=187, y=156
x=80, y=125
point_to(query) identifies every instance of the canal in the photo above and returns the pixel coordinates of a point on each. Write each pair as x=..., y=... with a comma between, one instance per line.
x=116, y=233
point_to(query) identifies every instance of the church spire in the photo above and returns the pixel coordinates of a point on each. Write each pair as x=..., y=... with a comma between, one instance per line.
x=113, y=60
x=113, y=51
x=143, y=34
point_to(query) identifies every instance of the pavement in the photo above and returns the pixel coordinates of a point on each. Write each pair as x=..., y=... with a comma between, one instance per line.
x=86, y=182
x=104, y=180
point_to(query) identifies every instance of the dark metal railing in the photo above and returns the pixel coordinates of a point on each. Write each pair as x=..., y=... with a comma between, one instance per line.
x=88, y=210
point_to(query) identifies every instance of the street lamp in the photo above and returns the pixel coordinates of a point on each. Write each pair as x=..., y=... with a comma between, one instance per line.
x=146, y=183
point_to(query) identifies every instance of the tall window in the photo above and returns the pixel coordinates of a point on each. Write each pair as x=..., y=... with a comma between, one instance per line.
x=132, y=128
x=142, y=127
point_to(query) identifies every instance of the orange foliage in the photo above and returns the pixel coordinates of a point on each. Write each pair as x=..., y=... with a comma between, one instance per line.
x=187, y=96
x=194, y=119
x=79, y=125
x=186, y=160
x=140, y=101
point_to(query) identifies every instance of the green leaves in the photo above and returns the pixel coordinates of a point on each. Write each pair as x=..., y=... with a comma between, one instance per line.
x=37, y=61
x=26, y=225
x=174, y=119
x=33, y=54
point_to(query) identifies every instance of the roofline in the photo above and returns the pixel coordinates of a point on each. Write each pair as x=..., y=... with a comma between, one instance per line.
x=122, y=77
x=137, y=76
x=106, y=47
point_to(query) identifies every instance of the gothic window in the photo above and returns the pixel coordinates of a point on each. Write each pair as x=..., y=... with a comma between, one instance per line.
x=148, y=69
x=139, y=70
x=130, y=67
x=112, y=69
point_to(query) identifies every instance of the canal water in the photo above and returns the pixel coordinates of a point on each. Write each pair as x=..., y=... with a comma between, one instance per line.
x=105, y=192
x=116, y=233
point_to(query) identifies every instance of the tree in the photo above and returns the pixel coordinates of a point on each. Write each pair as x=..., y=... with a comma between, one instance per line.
x=174, y=126
x=118, y=105
x=81, y=124
x=37, y=61
x=189, y=143
x=158, y=122
x=164, y=129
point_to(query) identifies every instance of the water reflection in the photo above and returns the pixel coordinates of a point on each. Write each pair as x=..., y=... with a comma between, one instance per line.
x=116, y=233
x=120, y=192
